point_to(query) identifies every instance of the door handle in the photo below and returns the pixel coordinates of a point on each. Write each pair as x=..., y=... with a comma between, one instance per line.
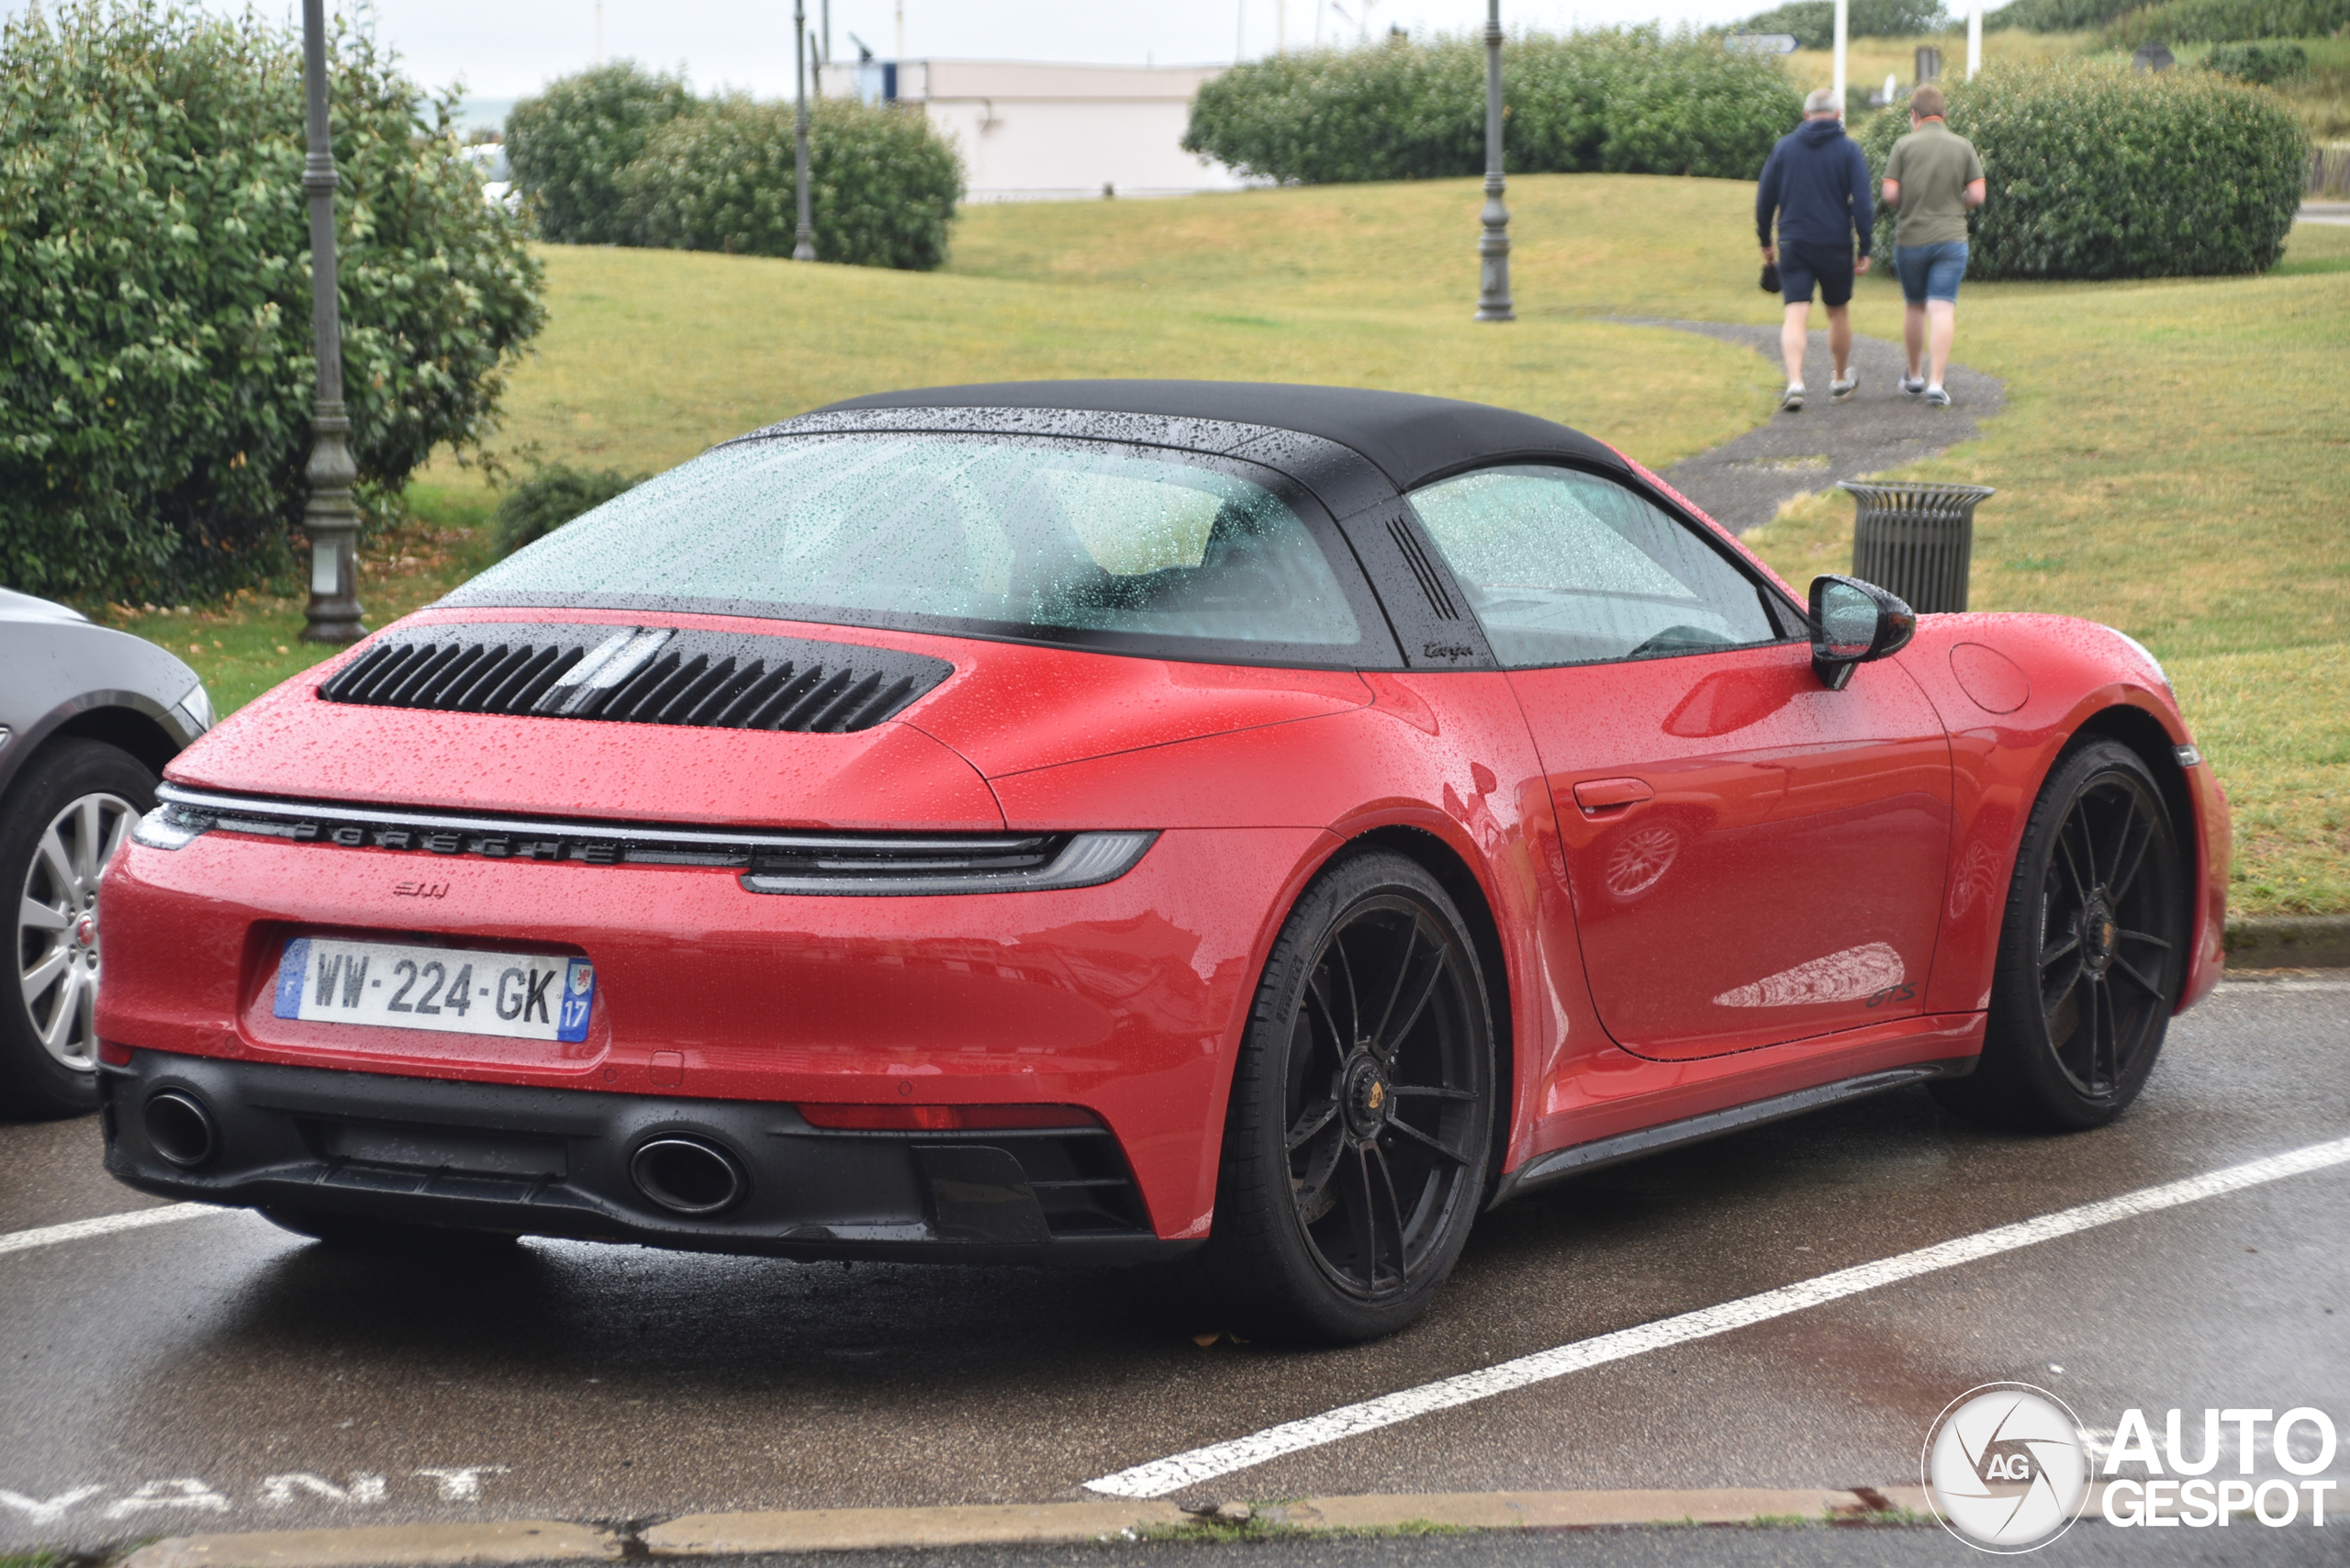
x=1600, y=795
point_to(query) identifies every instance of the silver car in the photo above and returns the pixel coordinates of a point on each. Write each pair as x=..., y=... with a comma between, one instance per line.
x=88, y=716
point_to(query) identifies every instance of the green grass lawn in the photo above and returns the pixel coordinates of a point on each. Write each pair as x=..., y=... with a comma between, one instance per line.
x=2171, y=460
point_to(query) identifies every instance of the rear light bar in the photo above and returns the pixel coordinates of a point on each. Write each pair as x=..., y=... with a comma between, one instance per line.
x=772, y=860
x=947, y=1118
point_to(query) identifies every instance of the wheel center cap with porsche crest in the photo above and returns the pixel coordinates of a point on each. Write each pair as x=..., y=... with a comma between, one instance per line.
x=1366, y=1096
x=2097, y=933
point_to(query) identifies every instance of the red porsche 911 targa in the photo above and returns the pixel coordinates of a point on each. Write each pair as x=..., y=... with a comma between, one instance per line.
x=1113, y=821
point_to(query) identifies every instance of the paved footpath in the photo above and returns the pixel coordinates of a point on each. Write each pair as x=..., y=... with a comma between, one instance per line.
x=1742, y=483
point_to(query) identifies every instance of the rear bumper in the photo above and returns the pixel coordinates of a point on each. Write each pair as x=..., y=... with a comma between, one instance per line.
x=1127, y=999
x=539, y=1162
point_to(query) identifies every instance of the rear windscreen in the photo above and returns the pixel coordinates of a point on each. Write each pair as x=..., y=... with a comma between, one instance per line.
x=1054, y=539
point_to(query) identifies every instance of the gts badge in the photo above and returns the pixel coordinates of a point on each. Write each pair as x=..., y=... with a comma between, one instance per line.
x=1893, y=993
x=413, y=890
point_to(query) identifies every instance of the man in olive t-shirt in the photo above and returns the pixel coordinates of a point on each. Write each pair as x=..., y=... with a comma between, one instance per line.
x=1932, y=178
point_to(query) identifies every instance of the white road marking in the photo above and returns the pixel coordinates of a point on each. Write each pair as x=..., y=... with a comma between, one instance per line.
x=48, y=1510
x=457, y=1484
x=463, y=1484
x=1162, y=1477
x=106, y=1224
x=279, y=1490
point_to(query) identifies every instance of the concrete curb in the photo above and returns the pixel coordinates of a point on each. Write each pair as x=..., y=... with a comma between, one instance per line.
x=1572, y=1510
x=2289, y=942
x=1034, y=1524
x=839, y=1529
x=412, y=1546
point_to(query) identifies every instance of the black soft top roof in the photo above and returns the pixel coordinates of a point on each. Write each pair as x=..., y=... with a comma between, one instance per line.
x=1410, y=438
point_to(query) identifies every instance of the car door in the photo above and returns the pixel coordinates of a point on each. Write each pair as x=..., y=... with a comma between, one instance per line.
x=1752, y=857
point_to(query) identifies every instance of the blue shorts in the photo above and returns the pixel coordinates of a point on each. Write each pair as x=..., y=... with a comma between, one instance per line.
x=1931, y=272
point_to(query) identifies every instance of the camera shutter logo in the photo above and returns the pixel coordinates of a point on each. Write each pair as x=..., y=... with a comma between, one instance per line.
x=2005, y=1467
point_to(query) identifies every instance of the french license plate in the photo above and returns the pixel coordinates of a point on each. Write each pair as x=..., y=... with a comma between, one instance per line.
x=520, y=996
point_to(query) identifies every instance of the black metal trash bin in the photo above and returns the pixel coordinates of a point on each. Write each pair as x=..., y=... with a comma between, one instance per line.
x=1917, y=541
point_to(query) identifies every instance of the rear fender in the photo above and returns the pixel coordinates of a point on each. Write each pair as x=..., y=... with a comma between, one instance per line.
x=1443, y=758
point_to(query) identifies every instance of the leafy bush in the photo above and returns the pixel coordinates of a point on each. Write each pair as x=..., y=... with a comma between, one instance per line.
x=2057, y=16
x=2098, y=172
x=883, y=184
x=156, y=369
x=2265, y=64
x=568, y=145
x=1634, y=102
x=552, y=497
x=2229, y=21
x=1813, y=22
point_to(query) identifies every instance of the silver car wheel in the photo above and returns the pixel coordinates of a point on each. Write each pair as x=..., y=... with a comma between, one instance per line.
x=57, y=925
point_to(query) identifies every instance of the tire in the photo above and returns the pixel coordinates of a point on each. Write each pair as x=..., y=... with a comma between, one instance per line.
x=61, y=821
x=360, y=1234
x=1342, y=1206
x=2092, y=950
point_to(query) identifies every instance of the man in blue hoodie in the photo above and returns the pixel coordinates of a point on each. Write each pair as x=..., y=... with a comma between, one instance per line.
x=1817, y=183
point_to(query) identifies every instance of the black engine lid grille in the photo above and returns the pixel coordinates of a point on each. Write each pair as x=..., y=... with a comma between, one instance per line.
x=638, y=675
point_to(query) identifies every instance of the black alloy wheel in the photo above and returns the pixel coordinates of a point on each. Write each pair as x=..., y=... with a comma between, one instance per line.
x=2092, y=951
x=1356, y=1145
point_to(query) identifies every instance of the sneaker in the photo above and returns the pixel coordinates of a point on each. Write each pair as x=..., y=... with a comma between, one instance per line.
x=1842, y=389
x=1792, y=402
x=1914, y=385
x=1937, y=399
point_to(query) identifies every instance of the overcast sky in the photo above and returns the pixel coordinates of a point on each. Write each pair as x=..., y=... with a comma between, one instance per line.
x=505, y=50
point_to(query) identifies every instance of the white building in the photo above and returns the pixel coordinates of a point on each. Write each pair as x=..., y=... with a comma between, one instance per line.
x=1036, y=132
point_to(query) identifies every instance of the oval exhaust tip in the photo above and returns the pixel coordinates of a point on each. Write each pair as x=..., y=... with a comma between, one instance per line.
x=179, y=1128
x=688, y=1176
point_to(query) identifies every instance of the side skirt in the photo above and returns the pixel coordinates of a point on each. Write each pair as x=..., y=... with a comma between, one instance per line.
x=1576, y=1159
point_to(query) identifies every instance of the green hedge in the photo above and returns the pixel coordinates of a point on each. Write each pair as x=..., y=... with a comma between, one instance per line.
x=883, y=184
x=1635, y=102
x=1813, y=22
x=156, y=373
x=2055, y=16
x=619, y=156
x=2098, y=172
x=2229, y=21
x=568, y=145
x=2265, y=64
x=551, y=497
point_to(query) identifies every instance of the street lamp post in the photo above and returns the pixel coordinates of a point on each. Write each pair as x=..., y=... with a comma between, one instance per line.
x=1842, y=37
x=805, y=249
x=330, y=518
x=1492, y=249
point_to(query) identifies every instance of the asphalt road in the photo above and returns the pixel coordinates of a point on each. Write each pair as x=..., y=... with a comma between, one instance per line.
x=215, y=1373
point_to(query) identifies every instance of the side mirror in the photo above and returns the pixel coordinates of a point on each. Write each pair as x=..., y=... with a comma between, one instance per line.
x=1852, y=622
